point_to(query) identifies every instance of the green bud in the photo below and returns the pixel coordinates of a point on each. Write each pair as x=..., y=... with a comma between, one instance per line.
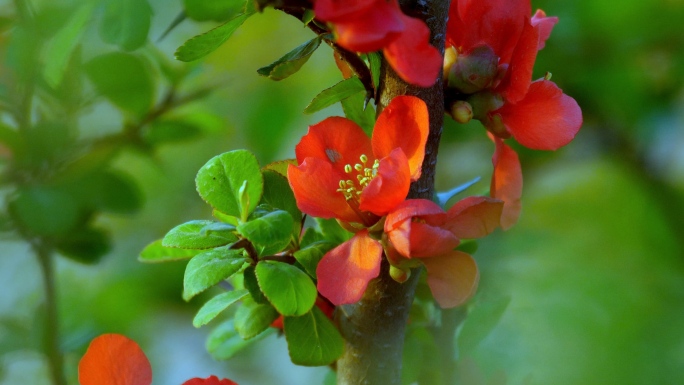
x=475, y=71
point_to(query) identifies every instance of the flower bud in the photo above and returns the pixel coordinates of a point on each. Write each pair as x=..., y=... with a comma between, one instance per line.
x=475, y=71
x=398, y=274
x=450, y=57
x=461, y=111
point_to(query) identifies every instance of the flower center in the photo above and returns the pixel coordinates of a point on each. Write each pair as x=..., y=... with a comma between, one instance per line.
x=350, y=188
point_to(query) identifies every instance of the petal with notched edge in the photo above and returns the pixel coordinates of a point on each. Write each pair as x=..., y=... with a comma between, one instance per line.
x=314, y=184
x=474, y=217
x=545, y=25
x=452, y=278
x=507, y=182
x=389, y=187
x=338, y=141
x=344, y=272
x=404, y=124
x=113, y=359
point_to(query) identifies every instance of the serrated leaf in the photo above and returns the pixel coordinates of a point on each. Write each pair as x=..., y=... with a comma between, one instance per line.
x=209, y=268
x=278, y=194
x=480, y=322
x=217, y=10
x=332, y=230
x=270, y=233
x=216, y=305
x=224, y=341
x=155, y=252
x=126, y=23
x=252, y=285
x=253, y=318
x=292, y=61
x=123, y=79
x=281, y=166
x=311, y=235
x=191, y=235
x=288, y=289
x=219, y=181
x=206, y=43
x=353, y=109
x=334, y=94
x=312, y=339
x=309, y=256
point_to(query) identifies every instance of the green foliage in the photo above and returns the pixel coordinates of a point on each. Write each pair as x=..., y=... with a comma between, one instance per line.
x=216, y=305
x=280, y=167
x=252, y=318
x=353, y=108
x=126, y=23
x=199, y=234
x=64, y=43
x=278, y=194
x=332, y=230
x=334, y=94
x=45, y=211
x=84, y=245
x=310, y=255
x=420, y=358
x=251, y=284
x=204, y=44
x=219, y=182
x=270, y=233
x=288, y=289
x=224, y=341
x=216, y=10
x=312, y=339
x=209, y=268
x=155, y=252
x=171, y=131
x=482, y=319
x=292, y=61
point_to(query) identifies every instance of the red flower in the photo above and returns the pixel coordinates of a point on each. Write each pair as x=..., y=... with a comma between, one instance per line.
x=506, y=182
x=345, y=175
x=420, y=228
x=537, y=114
x=371, y=25
x=113, y=359
x=212, y=380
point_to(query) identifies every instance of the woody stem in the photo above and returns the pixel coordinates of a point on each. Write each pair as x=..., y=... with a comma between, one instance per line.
x=374, y=327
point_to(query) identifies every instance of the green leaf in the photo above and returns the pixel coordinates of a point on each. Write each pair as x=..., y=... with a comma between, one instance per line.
x=480, y=322
x=309, y=256
x=311, y=235
x=204, y=44
x=193, y=235
x=224, y=341
x=251, y=284
x=126, y=23
x=253, y=318
x=216, y=305
x=219, y=181
x=332, y=230
x=334, y=94
x=155, y=252
x=289, y=289
x=292, y=61
x=270, y=233
x=84, y=245
x=209, y=268
x=375, y=60
x=278, y=194
x=123, y=79
x=170, y=131
x=109, y=191
x=353, y=109
x=10, y=137
x=216, y=10
x=312, y=339
x=225, y=218
x=45, y=211
x=281, y=166
x=61, y=46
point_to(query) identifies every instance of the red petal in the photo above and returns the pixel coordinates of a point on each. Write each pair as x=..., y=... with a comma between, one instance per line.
x=404, y=124
x=344, y=272
x=546, y=119
x=412, y=56
x=371, y=30
x=452, y=278
x=315, y=185
x=507, y=183
x=389, y=187
x=335, y=10
x=212, y=380
x=112, y=359
x=518, y=77
x=474, y=217
x=415, y=208
x=545, y=25
x=420, y=240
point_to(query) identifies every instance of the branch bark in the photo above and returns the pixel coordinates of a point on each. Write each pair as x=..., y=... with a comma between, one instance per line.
x=374, y=327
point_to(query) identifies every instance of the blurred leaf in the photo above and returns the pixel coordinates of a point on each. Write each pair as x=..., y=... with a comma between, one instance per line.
x=216, y=305
x=309, y=256
x=204, y=44
x=10, y=138
x=281, y=166
x=312, y=339
x=279, y=195
x=330, y=378
x=251, y=284
x=170, y=131
x=468, y=246
x=332, y=230
x=484, y=317
x=216, y=10
x=334, y=94
x=224, y=341
x=110, y=191
x=292, y=61
x=270, y=233
x=46, y=142
x=126, y=23
x=95, y=160
x=220, y=179
x=85, y=245
x=123, y=79
x=209, y=268
x=253, y=318
x=353, y=109
x=45, y=211
x=191, y=235
x=155, y=252
x=288, y=289
x=60, y=48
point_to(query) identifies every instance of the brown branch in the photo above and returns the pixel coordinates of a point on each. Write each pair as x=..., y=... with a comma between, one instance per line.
x=374, y=327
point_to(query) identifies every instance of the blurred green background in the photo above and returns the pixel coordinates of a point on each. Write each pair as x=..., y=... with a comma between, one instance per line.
x=594, y=270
